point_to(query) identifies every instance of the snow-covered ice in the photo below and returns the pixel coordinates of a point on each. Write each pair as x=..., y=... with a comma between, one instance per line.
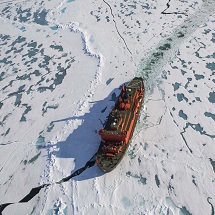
x=61, y=65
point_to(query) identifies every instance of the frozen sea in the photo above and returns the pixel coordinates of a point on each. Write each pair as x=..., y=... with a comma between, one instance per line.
x=62, y=63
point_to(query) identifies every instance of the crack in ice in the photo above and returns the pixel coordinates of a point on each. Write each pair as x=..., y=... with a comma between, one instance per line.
x=181, y=133
x=34, y=191
x=212, y=207
x=168, y=6
x=116, y=26
x=197, y=127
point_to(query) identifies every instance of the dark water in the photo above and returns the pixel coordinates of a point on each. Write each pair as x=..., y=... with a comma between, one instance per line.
x=35, y=191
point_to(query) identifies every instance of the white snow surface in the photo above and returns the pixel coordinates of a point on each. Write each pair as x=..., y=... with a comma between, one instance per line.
x=61, y=65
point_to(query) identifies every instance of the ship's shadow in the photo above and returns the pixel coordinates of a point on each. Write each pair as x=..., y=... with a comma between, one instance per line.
x=84, y=141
